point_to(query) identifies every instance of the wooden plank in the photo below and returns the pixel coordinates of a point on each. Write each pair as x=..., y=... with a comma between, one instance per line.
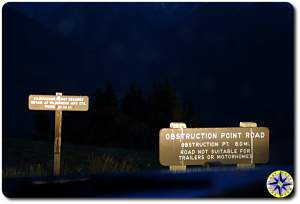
x=58, y=102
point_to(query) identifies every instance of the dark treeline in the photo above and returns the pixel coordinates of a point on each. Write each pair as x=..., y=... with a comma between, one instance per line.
x=133, y=121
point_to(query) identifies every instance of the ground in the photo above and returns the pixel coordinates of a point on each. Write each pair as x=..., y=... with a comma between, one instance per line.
x=24, y=157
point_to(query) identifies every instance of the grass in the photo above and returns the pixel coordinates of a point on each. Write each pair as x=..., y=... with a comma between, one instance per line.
x=26, y=158
x=95, y=165
x=30, y=170
x=107, y=163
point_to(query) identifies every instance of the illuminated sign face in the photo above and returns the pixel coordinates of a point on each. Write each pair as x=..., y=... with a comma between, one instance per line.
x=197, y=146
x=53, y=102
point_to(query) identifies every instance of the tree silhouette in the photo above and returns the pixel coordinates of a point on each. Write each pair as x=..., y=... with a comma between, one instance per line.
x=133, y=103
x=133, y=111
x=104, y=117
x=134, y=123
x=189, y=116
x=163, y=108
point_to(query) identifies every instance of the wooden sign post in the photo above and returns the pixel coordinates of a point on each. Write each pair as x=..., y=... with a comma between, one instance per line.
x=181, y=167
x=57, y=140
x=58, y=103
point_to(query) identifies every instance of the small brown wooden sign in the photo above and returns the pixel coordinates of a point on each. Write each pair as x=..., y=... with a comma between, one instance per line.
x=198, y=146
x=58, y=102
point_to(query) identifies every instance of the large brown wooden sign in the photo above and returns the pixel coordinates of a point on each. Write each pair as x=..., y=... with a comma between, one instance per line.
x=198, y=146
x=58, y=103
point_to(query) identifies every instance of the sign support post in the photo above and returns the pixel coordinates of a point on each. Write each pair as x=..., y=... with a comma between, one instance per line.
x=57, y=140
x=176, y=168
x=247, y=165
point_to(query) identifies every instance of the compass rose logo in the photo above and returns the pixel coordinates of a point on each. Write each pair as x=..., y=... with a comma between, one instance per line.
x=280, y=184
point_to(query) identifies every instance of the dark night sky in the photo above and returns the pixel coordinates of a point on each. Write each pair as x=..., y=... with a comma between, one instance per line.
x=234, y=61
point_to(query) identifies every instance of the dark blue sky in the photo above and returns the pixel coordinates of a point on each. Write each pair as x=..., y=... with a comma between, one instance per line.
x=234, y=61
